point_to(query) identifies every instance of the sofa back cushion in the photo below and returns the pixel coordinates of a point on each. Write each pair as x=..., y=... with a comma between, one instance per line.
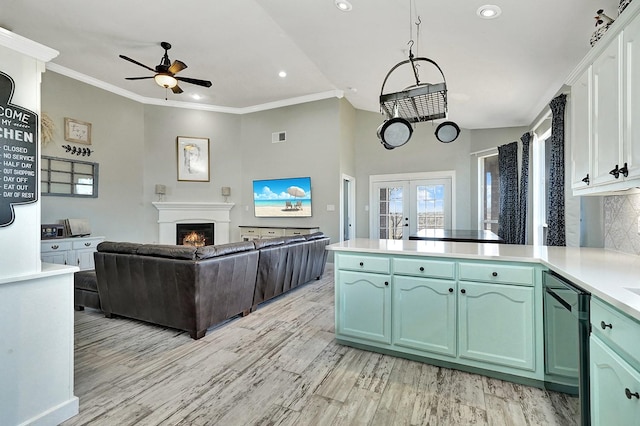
x=167, y=251
x=118, y=247
x=207, y=252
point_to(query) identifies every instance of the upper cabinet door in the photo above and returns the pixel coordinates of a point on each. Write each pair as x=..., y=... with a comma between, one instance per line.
x=606, y=114
x=631, y=117
x=580, y=133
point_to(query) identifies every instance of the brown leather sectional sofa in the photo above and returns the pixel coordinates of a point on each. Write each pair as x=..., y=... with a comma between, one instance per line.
x=191, y=289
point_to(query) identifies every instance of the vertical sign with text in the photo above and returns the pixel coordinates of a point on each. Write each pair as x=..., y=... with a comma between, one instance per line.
x=18, y=155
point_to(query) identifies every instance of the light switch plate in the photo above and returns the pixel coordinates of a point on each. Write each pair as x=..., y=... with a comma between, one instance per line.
x=331, y=207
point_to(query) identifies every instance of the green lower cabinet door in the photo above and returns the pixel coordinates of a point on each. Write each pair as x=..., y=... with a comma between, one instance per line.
x=424, y=314
x=363, y=306
x=496, y=324
x=615, y=387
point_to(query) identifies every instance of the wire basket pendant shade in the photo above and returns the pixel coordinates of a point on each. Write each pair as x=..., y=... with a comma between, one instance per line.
x=419, y=102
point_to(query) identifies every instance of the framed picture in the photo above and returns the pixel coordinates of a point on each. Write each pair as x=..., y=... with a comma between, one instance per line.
x=77, y=131
x=193, y=159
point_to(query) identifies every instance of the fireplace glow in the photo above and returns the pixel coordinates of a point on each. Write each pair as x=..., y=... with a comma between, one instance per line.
x=194, y=239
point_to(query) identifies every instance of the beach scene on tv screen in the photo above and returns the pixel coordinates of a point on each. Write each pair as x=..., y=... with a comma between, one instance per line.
x=290, y=197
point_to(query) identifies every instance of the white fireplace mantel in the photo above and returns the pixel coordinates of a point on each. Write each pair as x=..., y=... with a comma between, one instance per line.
x=172, y=213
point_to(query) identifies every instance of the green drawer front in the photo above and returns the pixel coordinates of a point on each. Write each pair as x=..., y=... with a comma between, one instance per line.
x=617, y=328
x=364, y=263
x=424, y=268
x=496, y=273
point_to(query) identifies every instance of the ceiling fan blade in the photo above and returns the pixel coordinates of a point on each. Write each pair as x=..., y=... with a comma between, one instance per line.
x=126, y=58
x=204, y=83
x=177, y=66
x=176, y=89
x=137, y=78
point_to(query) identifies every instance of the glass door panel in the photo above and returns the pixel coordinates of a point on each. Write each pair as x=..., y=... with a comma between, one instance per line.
x=390, y=209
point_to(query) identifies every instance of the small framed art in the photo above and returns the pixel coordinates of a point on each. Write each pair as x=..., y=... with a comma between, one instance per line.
x=193, y=159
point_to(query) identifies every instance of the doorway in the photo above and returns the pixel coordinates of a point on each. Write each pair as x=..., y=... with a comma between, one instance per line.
x=347, y=208
x=403, y=205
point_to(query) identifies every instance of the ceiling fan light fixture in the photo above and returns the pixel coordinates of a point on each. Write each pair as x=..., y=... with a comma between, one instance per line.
x=165, y=80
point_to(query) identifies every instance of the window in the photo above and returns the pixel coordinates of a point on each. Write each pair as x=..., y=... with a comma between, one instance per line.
x=489, y=199
x=68, y=178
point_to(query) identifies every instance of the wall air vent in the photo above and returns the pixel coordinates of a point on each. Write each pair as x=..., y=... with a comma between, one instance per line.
x=277, y=137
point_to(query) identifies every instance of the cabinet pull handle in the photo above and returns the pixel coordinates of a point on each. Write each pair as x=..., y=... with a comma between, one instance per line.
x=361, y=263
x=78, y=262
x=604, y=325
x=55, y=247
x=450, y=290
x=87, y=244
x=624, y=171
x=422, y=269
x=463, y=291
x=386, y=283
x=629, y=394
x=615, y=172
x=586, y=179
x=495, y=274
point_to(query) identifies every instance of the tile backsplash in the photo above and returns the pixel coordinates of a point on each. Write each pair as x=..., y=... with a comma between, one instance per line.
x=621, y=214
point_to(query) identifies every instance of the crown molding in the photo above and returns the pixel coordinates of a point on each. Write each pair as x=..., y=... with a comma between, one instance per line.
x=191, y=105
x=25, y=46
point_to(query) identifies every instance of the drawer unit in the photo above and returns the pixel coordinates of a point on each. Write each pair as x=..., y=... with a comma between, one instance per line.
x=292, y=232
x=496, y=273
x=617, y=329
x=86, y=243
x=420, y=267
x=364, y=263
x=251, y=231
x=271, y=233
x=55, y=246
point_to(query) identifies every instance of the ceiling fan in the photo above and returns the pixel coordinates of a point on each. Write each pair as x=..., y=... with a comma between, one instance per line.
x=166, y=72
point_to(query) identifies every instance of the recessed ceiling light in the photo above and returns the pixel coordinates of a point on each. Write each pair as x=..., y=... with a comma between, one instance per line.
x=196, y=96
x=343, y=5
x=489, y=11
x=282, y=74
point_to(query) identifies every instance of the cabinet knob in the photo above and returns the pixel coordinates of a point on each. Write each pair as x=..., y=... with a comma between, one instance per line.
x=586, y=179
x=615, y=172
x=495, y=274
x=450, y=290
x=361, y=263
x=55, y=247
x=422, y=269
x=624, y=171
x=629, y=394
x=386, y=283
x=463, y=291
x=604, y=325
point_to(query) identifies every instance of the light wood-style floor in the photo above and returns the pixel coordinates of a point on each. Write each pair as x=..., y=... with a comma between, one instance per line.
x=281, y=365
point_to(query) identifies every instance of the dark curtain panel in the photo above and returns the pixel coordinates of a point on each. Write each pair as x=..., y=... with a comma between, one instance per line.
x=508, y=171
x=521, y=231
x=555, y=193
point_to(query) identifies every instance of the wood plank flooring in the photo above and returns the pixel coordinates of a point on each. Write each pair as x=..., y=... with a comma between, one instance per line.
x=281, y=366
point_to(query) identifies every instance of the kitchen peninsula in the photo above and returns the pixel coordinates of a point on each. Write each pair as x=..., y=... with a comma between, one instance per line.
x=479, y=308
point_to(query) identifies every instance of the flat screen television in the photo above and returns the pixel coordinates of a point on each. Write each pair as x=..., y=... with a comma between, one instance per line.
x=288, y=197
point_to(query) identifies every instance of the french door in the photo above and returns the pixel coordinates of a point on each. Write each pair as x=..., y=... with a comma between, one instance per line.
x=405, y=207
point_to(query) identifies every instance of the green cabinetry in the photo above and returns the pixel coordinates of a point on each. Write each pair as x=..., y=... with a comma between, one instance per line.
x=476, y=314
x=615, y=366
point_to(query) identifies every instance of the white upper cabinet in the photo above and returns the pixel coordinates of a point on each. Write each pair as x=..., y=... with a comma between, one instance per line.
x=605, y=135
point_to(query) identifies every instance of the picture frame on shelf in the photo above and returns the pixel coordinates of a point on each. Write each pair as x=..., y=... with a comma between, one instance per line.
x=77, y=131
x=193, y=159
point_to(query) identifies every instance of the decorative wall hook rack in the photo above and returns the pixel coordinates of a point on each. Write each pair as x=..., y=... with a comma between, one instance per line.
x=77, y=151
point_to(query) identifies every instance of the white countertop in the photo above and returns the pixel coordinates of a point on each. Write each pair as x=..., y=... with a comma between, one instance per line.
x=606, y=274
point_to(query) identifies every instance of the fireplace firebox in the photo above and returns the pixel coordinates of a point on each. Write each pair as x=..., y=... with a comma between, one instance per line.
x=195, y=234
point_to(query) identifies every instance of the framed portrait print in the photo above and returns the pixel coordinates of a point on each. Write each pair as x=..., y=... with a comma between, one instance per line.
x=77, y=131
x=193, y=159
